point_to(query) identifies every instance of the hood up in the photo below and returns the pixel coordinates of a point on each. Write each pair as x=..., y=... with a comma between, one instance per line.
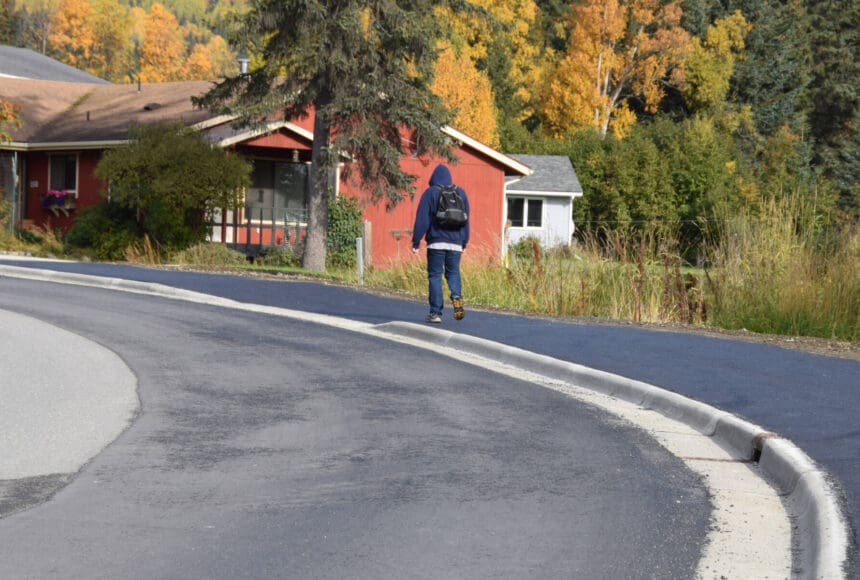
x=441, y=176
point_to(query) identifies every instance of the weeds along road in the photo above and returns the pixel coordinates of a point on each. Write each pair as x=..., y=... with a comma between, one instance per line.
x=267, y=447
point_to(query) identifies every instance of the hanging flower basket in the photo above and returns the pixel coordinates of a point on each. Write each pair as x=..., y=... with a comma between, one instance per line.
x=54, y=197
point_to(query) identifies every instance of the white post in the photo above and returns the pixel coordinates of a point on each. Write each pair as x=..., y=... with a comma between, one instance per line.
x=359, y=259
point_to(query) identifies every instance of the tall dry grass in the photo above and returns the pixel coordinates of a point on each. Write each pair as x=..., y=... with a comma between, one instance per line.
x=782, y=273
x=777, y=271
x=623, y=277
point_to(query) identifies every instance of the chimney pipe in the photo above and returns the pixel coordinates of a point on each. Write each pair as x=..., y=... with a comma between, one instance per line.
x=244, y=61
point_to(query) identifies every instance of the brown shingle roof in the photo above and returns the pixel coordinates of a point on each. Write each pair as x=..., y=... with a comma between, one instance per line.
x=59, y=112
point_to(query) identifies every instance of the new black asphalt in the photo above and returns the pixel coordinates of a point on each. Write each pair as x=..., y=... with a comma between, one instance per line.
x=812, y=400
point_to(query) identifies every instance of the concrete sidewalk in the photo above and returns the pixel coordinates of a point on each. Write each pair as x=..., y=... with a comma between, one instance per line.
x=65, y=398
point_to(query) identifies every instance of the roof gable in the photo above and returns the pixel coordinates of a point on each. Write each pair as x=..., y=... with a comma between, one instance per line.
x=226, y=135
x=511, y=166
x=551, y=175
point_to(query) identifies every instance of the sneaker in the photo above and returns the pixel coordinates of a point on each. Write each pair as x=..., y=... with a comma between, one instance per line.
x=434, y=318
x=459, y=313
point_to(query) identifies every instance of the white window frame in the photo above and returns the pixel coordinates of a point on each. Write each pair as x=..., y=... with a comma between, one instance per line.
x=51, y=158
x=526, y=201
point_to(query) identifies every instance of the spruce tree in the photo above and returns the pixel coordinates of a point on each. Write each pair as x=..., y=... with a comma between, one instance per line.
x=365, y=68
x=8, y=21
x=835, y=93
x=775, y=71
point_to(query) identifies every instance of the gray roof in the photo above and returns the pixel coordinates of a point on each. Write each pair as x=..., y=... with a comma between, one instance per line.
x=553, y=174
x=26, y=64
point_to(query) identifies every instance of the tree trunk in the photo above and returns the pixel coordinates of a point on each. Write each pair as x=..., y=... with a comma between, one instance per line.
x=315, y=242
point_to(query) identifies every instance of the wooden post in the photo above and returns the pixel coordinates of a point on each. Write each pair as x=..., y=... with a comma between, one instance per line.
x=367, y=246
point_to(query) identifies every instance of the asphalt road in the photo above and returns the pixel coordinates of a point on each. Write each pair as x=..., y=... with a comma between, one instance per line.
x=268, y=448
x=810, y=399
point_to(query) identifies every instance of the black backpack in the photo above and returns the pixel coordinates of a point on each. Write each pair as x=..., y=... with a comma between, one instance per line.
x=451, y=209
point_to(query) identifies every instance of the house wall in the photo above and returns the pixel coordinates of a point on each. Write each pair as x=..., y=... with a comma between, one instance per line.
x=557, y=224
x=484, y=183
x=280, y=140
x=480, y=177
x=36, y=183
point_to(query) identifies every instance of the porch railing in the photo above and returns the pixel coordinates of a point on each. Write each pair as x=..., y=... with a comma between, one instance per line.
x=251, y=230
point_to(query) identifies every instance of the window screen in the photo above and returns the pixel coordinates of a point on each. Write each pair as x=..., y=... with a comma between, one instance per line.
x=515, y=211
x=525, y=212
x=64, y=172
x=277, y=189
x=535, y=211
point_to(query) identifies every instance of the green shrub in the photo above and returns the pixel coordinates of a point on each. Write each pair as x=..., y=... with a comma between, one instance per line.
x=344, y=226
x=106, y=229
x=525, y=250
x=174, y=177
x=210, y=254
x=281, y=256
x=5, y=210
x=8, y=240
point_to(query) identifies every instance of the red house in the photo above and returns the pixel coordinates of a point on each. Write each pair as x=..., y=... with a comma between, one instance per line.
x=67, y=126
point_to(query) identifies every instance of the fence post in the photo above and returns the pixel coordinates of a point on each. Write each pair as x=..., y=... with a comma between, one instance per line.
x=359, y=259
x=367, y=236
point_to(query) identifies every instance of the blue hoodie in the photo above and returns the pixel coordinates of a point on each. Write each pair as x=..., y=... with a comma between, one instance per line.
x=425, y=224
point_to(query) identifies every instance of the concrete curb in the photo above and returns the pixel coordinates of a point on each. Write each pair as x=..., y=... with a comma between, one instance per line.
x=822, y=528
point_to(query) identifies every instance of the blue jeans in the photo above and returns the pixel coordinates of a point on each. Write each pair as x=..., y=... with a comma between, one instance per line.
x=439, y=262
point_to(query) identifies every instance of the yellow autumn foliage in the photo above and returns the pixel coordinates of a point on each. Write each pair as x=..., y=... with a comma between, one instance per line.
x=71, y=34
x=468, y=92
x=517, y=21
x=711, y=62
x=112, y=54
x=162, y=50
x=617, y=49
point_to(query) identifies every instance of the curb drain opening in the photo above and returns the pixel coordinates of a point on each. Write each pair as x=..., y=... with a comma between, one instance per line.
x=717, y=460
x=758, y=444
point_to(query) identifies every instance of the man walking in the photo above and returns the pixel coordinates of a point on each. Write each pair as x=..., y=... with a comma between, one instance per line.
x=445, y=227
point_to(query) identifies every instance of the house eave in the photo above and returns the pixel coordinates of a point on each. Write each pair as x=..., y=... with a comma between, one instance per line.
x=214, y=122
x=515, y=166
x=61, y=145
x=267, y=129
x=570, y=194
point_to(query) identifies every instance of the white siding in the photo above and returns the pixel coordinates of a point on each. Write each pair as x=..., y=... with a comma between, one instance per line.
x=557, y=224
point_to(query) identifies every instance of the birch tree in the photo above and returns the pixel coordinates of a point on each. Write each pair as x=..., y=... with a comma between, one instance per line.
x=618, y=50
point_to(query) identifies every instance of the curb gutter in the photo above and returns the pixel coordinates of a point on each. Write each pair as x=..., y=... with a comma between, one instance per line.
x=821, y=526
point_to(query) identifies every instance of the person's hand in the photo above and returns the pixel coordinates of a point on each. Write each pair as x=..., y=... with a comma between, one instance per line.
x=415, y=251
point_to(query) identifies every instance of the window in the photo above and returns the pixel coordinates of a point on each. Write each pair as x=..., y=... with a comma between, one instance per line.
x=64, y=173
x=525, y=212
x=291, y=180
x=276, y=187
